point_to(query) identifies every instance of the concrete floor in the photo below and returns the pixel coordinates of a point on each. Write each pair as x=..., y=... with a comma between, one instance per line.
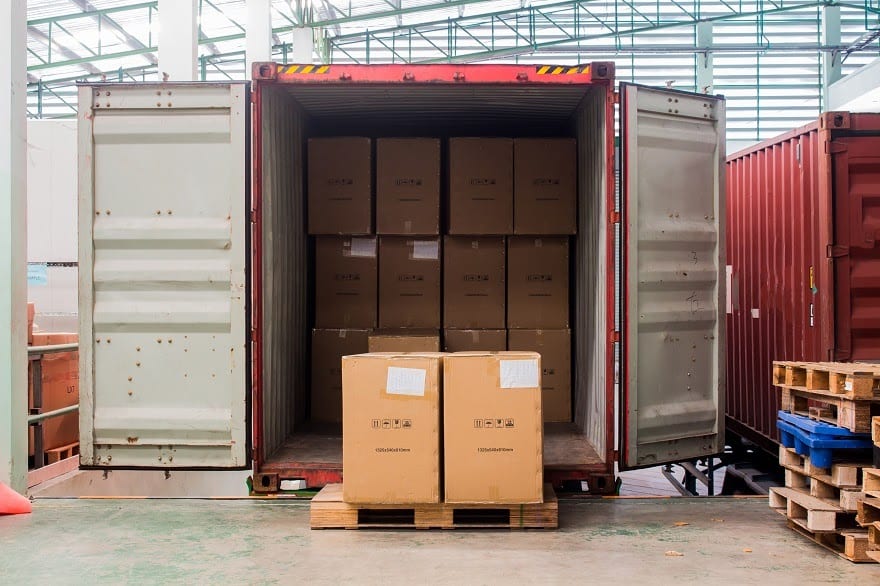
x=268, y=541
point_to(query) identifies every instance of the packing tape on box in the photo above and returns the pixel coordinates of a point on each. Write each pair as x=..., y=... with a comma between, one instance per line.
x=363, y=247
x=405, y=381
x=519, y=374
x=426, y=249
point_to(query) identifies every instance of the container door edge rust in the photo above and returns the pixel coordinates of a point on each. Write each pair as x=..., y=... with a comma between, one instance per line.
x=163, y=258
x=673, y=298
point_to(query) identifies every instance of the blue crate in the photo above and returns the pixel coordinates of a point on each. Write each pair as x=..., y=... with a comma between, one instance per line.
x=817, y=439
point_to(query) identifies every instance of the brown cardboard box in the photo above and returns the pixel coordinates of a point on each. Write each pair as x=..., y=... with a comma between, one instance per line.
x=545, y=186
x=31, y=312
x=60, y=388
x=480, y=186
x=473, y=282
x=492, y=427
x=340, y=186
x=554, y=346
x=346, y=282
x=391, y=428
x=409, y=282
x=408, y=186
x=537, y=283
x=405, y=341
x=474, y=340
x=328, y=348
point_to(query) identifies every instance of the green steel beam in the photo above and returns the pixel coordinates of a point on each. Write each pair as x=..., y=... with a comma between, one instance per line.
x=93, y=13
x=392, y=13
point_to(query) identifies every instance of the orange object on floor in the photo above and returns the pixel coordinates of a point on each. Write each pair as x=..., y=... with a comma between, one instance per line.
x=12, y=503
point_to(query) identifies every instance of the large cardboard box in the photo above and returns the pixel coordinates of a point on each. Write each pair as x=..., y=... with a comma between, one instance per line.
x=60, y=388
x=480, y=186
x=405, y=341
x=340, y=185
x=31, y=312
x=554, y=346
x=409, y=282
x=492, y=427
x=408, y=186
x=346, y=282
x=474, y=340
x=391, y=428
x=328, y=348
x=473, y=282
x=537, y=283
x=544, y=186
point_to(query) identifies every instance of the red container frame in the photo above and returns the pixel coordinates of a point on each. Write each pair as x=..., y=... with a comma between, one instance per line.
x=599, y=477
x=799, y=242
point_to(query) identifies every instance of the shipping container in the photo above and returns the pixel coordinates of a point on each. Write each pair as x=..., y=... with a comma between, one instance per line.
x=196, y=282
x=803, y=270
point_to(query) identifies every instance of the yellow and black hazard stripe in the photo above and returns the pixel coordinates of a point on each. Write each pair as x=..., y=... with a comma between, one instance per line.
x=305, y=69
x=562, y=69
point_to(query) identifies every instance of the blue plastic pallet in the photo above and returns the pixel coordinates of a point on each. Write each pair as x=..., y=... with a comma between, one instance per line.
x=817, y=439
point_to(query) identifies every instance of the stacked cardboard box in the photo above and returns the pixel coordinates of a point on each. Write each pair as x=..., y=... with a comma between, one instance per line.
x=490, y=432
x=59, y=383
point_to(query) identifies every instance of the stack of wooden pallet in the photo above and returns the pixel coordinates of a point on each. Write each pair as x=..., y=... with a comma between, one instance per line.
x=869, y=505
x=825, y=451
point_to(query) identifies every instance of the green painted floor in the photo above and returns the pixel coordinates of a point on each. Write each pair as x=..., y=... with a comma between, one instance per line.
x=248, y=541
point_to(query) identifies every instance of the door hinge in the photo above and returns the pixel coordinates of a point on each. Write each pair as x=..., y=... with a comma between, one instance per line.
x=254, y=334
x=615, y=217
x=253, y=216
x=833, y=147
x=616, y=98
x=837, y=251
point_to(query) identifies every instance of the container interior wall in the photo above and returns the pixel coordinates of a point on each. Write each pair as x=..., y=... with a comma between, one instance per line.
x=285, y=269
x=591, y=275
x=293, y=112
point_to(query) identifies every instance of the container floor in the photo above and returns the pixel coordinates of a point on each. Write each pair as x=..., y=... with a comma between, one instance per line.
x=317, y=452
x=269, y=541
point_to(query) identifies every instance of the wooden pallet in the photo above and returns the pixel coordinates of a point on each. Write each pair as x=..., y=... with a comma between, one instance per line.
x=824, y=487
x=868, y=511
x=871, y=482
x=852, y=414
x=62, y=453
x=852, y=380
x=328, y=511
x=851, y=544
x=874, y=541
x=813, y=514
x=875, y=430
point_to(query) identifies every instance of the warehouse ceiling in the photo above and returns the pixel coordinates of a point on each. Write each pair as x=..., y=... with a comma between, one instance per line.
x=766, y=55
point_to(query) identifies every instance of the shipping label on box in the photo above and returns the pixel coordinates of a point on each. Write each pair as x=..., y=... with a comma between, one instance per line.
x=493, y=428
x=391, y=428
x=409, y=282
x=408, y=186
x=328, y=348
x=474, y=282
x=480, y=186
x=346, y=282
x=554, y=346
x=537, y=283
x=545, y=186
x=340, y=185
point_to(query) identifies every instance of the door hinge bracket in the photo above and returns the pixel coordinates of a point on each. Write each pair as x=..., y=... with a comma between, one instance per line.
x=615, y=217
x=616, y=98
x=837, y=251
x=254, y=334
x=253, y=216
x=833, y=147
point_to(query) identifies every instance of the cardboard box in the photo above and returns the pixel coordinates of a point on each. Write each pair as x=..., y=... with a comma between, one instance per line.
x=391, y=428
x=554, y=346
x=474, y=340
x=492, y=427
x=408, y=186
x=480, y=186
x=328, y=348
x=405, y=341
x=545, y=186
x=346, y=282
x=31, y=312
x=60, y=388
x=409, y=282
x=473, y=282
x=537, y=283
x=340, y=185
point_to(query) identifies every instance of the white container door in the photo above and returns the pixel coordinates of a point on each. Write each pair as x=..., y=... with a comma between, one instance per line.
x=673, y=339
x=162, y=280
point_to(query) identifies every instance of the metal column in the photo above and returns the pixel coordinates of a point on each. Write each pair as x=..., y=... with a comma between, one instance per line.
x=258, y=38
x=13, y=244
x=704, y=74
x=178, y=39
x=831, y=63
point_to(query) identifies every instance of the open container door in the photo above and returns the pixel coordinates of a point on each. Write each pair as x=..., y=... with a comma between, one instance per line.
x=673, y=297
x=162, y=275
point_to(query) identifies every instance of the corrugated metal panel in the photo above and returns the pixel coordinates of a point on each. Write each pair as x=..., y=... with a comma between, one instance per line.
x=673, y=333
x=801, y=259
x=163, y=298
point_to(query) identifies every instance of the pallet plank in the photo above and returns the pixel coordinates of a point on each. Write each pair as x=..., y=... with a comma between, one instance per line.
x=851, y=545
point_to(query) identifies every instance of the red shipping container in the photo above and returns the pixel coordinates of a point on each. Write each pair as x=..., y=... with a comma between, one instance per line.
x=803, y=269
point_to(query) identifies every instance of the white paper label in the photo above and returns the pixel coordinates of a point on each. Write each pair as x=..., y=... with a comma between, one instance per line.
x=519, y=374
x=363, y=247
x=847, y=386
x=426, y=249
x=756, y=313
x=405, y=381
